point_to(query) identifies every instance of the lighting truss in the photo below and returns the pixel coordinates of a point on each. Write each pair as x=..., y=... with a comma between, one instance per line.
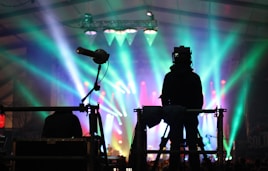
x=120, y=24
x=120, y=29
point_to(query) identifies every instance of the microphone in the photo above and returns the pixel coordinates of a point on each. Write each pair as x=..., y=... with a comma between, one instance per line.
x=99, y=56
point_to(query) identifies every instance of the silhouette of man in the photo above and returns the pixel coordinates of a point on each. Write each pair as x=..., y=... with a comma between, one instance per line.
x=62, y=124
x=182, y=86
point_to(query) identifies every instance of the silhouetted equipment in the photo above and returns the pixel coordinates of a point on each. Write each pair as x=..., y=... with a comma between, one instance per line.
x=182, y=55
x=52, y=154
x=96, y=154
x=97, y=161
x=165, y=139
x=137, y=156
x=95, y=124
x=3, y=140
x=99, y=56
x=117, y=163
x=151, y=116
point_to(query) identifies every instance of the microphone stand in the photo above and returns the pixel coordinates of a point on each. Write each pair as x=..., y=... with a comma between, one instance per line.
x=96, y=86
x=96, y=141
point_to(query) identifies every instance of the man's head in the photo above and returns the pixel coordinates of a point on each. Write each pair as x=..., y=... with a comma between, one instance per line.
x=182, y=55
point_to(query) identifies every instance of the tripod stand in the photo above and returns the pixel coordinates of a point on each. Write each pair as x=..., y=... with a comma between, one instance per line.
x=164, y=140
x=97, y=155
x=97, y=142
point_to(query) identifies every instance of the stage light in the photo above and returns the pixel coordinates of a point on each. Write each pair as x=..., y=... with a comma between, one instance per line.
x=150, y=31
x=131, y=30
x=150, y=14
x=119, y=26
x=131, y=33
x=120, y=31
x=109, y=30
x=88, y=18
x=90, y=32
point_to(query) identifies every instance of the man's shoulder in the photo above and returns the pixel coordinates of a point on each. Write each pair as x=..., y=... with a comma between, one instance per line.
x=196, y=74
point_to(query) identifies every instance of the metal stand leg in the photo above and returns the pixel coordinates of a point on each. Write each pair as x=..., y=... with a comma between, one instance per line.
x=162, y=144
x=202, y=145
x=98, y=152
x=137, y=157
x=220, y=135
x=164, y=140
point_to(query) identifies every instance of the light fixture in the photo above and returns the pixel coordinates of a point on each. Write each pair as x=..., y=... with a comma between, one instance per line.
x=150, y=14
x=108, y=26
x=88, y=18
x=131, y=30
x=122, y=31
x=109, y=30
x=150, y=31
x=90, y=32
x=128, y=27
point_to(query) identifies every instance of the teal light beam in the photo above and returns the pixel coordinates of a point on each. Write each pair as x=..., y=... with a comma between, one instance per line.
x=250, y=62
x=29, y=96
